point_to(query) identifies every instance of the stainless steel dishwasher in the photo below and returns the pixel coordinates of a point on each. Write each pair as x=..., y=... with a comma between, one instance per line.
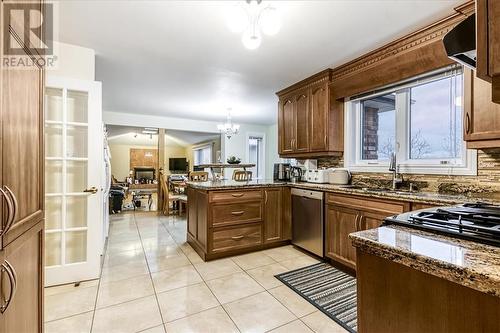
x=307, y=220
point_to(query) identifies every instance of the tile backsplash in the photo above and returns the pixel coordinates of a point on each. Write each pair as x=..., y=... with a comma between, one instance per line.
x=487, y=179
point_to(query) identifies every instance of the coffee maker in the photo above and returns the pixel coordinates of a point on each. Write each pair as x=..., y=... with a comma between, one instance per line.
x=281, y=172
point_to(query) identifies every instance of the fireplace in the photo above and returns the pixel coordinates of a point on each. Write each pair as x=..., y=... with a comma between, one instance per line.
x=144, y=174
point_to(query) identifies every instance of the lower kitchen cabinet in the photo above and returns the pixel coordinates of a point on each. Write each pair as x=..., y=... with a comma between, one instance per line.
x=346, y=214
x=228, y=222
x=22, y=277
x=340, y=222
x=273, y=215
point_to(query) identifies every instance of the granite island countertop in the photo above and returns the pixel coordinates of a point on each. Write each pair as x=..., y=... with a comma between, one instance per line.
x=464, y=262
x=420, y=197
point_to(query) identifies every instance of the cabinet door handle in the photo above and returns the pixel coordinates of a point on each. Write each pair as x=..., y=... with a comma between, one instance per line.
x=356, y=221
x=238, y=213
x=467, y=123
x=237, y=195
x=265, y=196
x=360, y=222
x=7, y=268
x=237, y=237
x=12, y=207
x=325, y=139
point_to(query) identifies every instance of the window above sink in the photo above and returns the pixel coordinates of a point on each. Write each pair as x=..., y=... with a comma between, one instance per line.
x=420, y=120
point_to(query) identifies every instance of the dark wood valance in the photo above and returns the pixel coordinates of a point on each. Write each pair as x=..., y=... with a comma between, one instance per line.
x=412, y=55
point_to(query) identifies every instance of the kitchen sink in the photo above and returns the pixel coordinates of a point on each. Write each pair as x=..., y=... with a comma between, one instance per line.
x=376, y=189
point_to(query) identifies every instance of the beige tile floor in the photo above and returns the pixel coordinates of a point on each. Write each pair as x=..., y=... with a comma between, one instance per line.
x=153, y=281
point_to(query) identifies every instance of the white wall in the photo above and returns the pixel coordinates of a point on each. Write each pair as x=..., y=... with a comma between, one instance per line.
x=237, y=146
x=73, y=61
x=120, y=159
x=272, y=150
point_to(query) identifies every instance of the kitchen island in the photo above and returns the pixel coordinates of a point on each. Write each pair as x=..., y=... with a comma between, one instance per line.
x=416, y=281
x=227, y=217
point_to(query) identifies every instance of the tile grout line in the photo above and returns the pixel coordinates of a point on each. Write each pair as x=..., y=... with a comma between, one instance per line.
x=221, y=305
x=206, y=285
x=150, y=276
x=99, y=283
x=267, y=290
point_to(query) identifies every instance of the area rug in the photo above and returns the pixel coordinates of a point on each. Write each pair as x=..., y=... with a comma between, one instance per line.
x=327, y=288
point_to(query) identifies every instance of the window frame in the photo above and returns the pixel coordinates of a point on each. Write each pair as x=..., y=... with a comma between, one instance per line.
x=262, y=164
x=201, y=147
x=467, y=165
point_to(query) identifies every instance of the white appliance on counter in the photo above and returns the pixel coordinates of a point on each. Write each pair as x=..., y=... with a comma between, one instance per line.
x=339, y=176
x=319, y=176
x=306, y=166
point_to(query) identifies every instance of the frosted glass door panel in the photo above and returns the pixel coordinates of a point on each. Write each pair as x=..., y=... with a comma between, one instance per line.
x=76, y=176
x=76, y=246
x=53, y=141
x=76, y=142
x=76, y=211
x=53, y=242
x=53, y=212
x=53, y=104
x=77, y=105
x=53, y=177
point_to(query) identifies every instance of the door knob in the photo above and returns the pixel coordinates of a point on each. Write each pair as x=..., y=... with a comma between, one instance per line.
x=92, y=190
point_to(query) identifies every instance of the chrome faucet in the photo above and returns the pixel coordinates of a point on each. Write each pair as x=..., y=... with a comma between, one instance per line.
x=394, y=167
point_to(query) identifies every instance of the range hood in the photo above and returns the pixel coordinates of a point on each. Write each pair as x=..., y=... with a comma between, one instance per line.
x=460, y=42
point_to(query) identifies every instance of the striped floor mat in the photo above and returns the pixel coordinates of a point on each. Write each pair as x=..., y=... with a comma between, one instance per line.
x=330, y=290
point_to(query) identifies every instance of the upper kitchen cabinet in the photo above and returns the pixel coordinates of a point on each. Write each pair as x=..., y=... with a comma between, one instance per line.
x=308, y=124
x=481, y=115
x=488, y=44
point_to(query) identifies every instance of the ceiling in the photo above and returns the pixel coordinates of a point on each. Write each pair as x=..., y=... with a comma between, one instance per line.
x=128, y=135
x=178, y=58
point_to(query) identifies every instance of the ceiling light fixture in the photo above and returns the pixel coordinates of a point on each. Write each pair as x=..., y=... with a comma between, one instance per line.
x=251, y=19
x=228, y=128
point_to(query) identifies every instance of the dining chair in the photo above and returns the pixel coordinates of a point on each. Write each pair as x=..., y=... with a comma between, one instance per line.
x=198, y=176
x=242, y=176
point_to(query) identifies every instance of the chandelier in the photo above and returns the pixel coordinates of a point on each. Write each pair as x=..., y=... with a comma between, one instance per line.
x=252, y=19
x=228, y=128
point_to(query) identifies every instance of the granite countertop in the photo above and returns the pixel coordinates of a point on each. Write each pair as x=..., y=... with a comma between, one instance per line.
x=464, y=262
x=421, y=197
x=232, y=184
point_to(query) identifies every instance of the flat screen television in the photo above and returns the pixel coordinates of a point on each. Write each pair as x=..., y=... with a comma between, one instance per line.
x=177, y=164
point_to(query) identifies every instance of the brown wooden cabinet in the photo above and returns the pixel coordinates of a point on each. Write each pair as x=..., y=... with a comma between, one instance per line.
x=309, y=124
x=340, y=222
x=318, y=119
x=346, y=214
x=25, y=258
x=228, y=222
x=287, y=129
x=301, y=112
x=273, y=215
x=22, y=180
x=488, y=44
x=481, y=115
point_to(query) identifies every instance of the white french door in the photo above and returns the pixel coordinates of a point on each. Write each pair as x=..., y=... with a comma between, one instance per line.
x=73, y=191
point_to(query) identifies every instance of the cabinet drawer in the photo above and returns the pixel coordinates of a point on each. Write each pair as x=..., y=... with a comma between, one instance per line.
x=244, y=212
x=232, y=196
x=388, y=207
x=236, y=238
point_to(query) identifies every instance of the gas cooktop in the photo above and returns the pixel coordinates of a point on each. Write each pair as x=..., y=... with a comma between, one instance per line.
x=479, y=222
